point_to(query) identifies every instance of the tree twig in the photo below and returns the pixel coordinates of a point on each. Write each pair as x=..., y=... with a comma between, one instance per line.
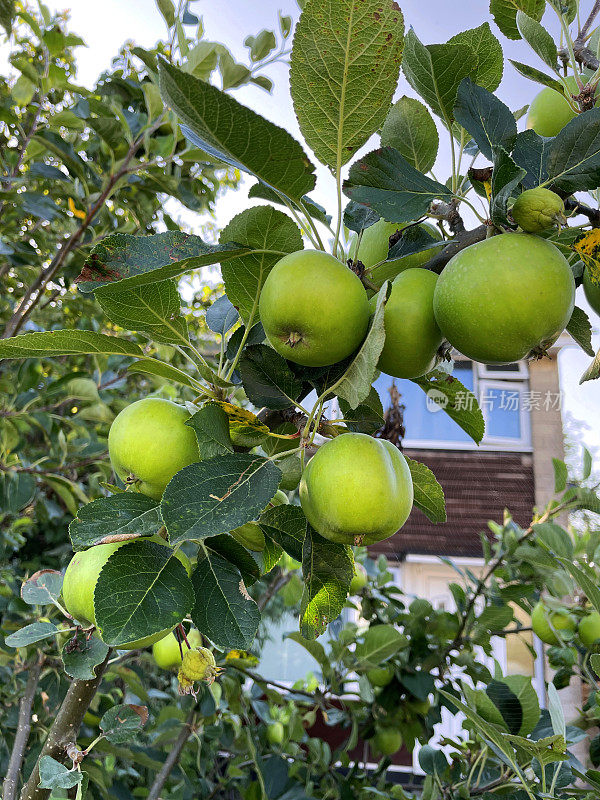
x=462, y=240
x=11, y=781
x=580, y=208
x=65, y=728
x=172, y=759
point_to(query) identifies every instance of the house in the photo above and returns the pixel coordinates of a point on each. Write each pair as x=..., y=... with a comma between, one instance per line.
x=511, y=468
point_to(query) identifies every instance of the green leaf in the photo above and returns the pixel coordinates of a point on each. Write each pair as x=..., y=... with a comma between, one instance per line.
x=313, y=209
x=227, y=130
x=142, y=589
x=286, y=525
x=167, y=9
x=123, y=722
x=484, y=117
x=574, y=154
x=457, y=401
x=54, y=775
x=519, y=688
x=385, y=181
x=269, y=557
x=141, y=260
x=211, y=426
x=316, y=649
x=505, y=14
x=344, y=68
x=592, y=373
x=42, y=588
x=561, y=474
x=267, y=379
x=224, y=611
x=260, y=45
x=7, y=15
x=66, y=343
x=234, y=552
x=585, y=579
x=327, y=568
x=505, y=178
x=554, y=538
x=222, y=315
x=365, y=418
x=379, y=643
x=580, y=329
x=530, y=151
x=538, y=38
x=435, y=72
x=411, y=130
x=429, y=495
x=154, y=309
x=488, y=52
x=260, y=228
x=355, y=384
x=171, y=374
x=533, y=74
x=218, y=495
x=31, y=633
x=117, y=518
x=82, y=654
x=431, y=761
x=556, y=712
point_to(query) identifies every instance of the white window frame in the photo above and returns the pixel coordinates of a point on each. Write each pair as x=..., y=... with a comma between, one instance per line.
x=490, y=371
x=523, y=443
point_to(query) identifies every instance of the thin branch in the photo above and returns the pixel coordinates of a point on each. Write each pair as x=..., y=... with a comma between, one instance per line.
x=579, y=208
x=462, y=240
x=64, y=729
x=272, y=590
x=172, y=759
x=11, y=781
x=588, y=23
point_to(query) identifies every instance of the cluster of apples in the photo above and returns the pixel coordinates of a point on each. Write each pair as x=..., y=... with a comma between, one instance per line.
x=551, y=626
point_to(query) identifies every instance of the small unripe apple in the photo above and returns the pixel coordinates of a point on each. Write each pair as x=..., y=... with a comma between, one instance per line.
x=544, y=621
x=550, y=111
x=314, y=309
x=387, y=741
x=149, y=442
x=275, y=732
x=536, y=210
x=167, y=653
x=381, y=676
x=592, y=291
x=589, y=629
x=82, y=575
x=359, y=579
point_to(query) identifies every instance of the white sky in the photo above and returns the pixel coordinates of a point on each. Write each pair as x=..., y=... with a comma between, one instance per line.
x=107, y=24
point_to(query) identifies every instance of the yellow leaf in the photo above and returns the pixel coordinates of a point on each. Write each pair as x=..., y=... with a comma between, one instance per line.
x=588, y=248
x=245, y=428
x=75, y=211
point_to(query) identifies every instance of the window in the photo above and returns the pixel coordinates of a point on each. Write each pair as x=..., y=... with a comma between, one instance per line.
x=503, y=396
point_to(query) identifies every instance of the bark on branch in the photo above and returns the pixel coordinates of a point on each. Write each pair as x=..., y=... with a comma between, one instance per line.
x=462, y=240
x=172, y=758
x=64, y=729
x=11, y=781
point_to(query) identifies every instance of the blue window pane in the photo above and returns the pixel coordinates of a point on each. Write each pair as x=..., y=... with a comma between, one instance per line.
x=502, y=412
x=421, y=422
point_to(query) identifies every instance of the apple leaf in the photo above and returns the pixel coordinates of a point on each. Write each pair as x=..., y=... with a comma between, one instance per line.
x=233, y=133
x=312, y=208
x=31, y=633
x=456, y=400
x=223, y=611
x=592, y=373
x=211, y=426
x=538, y=38
x=66, y=343
x=365, y=418
x=484, y=117
x=411, y=130
x=54, y=775
x=429, y=495
x=269, y=557
x=386, y=182
x=505, y=14
x=151, y=366
x=379, y=643
x=536, y=75
x=286, y=525
x=123, y=722
x=267, y=379
x=142, y=589
x=505, y=178
x=139, y=260
x=530, y=151
x=234, y=552
x=355, y=384
x=435, y=71
x=262, y=228
x=574, y=154
x=216, y=496
x=327, y=568
x=154, y=309
x=358, y=217
x=82, y=654
x=580, y=329
x=117, y=518
x=488, y=52
x=344, y=68
x=222, y=315
x=42, y=588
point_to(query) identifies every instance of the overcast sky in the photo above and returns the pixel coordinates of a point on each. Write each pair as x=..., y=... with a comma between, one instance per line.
x=106, y=25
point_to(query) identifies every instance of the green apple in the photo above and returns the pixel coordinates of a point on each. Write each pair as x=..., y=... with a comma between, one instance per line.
x=589, y=629
x=275, y=732
x=550, y=111
x=357, y=490
x=592, y=291
x=381, y=676
x=505, y=298
x=82, y=575
x=149, y=442
x=314, y=309
x=412, y=336
x=387, y=741
x=374, y=247
x=545, y=623
x=167, y=653
x=536, y=210
x=359, y=579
